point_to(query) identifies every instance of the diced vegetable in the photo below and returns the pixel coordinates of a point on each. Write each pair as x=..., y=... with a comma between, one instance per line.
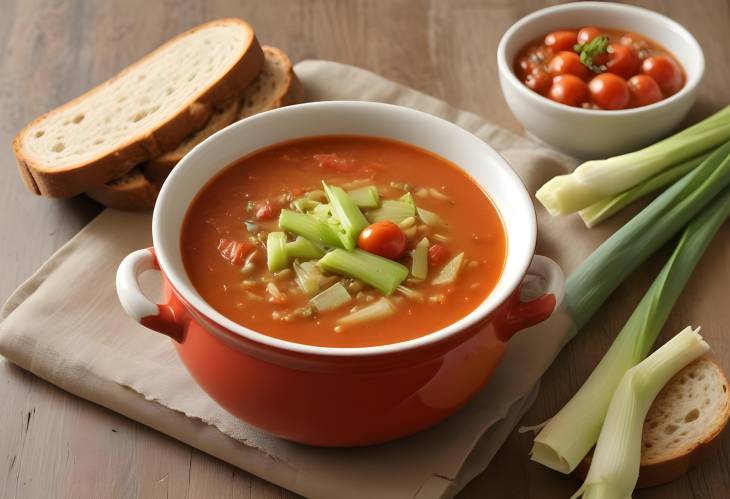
x=316, y=195
x=309, y=227
x=379, y=310
x=614, y=468
x=267, y=211
x=351, y=219
x=309, y=277
x=304, y=205
x=382, y=274
x=303, y=248
x=323, y=212
x=333, y=297
x=234, y=251
x=450, y=271
x=276, y=258
x=419, y=260
x=596, y=180
x=430, y=218
x=366, y=197
x=409, y=293
x=408, y=198
x=383, y=238
x=395, y=211
x=571, y=433
x=437, y=255
x=597, y=212
x=596, y=278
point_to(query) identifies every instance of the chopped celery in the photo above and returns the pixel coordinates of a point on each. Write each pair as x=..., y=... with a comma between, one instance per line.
x=309, y=227
x=378, y=310
x=304, y=205
x=322, y=212
x=382, y=274
x=276, y=258
x=365, y=197
x=419, y=260
x=395, y=211
x=408, y=198
x=430, y=218
x=309, y=277
x=303, y=248
x=450, y=271
x=331, y=298
x=351, y=220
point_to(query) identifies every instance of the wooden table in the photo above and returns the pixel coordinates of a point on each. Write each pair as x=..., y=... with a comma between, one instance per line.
x=53, y=444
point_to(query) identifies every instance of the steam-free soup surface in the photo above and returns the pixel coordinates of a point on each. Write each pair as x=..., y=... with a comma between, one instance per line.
x=226, y=229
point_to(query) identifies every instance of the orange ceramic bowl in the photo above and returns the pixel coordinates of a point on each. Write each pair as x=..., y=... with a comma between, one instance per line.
x=339, y=396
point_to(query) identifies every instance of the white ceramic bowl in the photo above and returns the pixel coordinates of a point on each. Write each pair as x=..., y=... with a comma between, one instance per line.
x=586, y=133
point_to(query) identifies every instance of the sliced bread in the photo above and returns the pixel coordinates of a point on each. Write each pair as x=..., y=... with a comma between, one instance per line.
x=275, y=86
x=683, y=423
x=144, y=111
x=132, y=191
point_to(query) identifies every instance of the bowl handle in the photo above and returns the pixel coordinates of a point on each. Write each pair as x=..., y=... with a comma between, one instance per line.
x=523, y=314
x=158, y=317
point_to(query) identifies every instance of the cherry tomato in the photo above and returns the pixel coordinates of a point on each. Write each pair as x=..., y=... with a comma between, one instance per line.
x=568, y=89
x=622, y=61
x=437, y=255
x=561, y=40
x=383, y=238
x=609, y=91
x=644, y=91
x=587, y=34
x=267, y=211
x=538, y=80
x=568, y=63
x=665, y=72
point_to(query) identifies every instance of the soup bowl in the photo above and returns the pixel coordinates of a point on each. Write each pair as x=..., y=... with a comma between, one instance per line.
x=340, y=396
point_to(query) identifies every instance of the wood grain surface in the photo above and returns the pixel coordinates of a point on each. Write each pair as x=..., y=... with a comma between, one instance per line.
x=53, y=444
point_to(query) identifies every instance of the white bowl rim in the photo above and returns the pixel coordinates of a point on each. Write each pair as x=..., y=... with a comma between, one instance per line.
x=506, y=69
x=478, y=314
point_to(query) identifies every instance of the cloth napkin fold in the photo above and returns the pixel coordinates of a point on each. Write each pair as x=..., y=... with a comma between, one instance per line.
x=65, y=325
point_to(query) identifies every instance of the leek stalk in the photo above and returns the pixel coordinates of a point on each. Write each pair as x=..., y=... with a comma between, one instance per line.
x=419, y=259
x=395, y=211
x=597, y=277
x=350, y=218
x=303, y=248
x=615, y=466
x=599, y=179
x=379, y=310
x=331, y=298
x=365, y=197
x=382, y=274
x=450, y=271
x=309, y=227
x=565, y=440
x=276, y=257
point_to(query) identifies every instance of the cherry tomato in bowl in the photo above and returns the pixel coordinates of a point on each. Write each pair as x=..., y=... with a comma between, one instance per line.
x=644, y=90
x=568, y=89
x=665, y=72
x=558, y=41
x=622, y=61
x=609, y=91
x=383, y=238
x=587, y=34
x=568, y=63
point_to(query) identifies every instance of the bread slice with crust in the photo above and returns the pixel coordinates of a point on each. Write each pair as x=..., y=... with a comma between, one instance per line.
x=144, y=111
x=275, y=86
x=683, y=424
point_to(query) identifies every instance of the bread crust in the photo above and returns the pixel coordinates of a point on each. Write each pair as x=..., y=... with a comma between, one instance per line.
x=137, y=196
x=75, y=179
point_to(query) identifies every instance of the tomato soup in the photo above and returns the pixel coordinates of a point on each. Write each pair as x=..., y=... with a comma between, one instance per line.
x=599, y=68
x=343, y=241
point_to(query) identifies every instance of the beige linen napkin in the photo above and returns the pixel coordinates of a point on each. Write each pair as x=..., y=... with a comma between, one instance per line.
x=65, y=325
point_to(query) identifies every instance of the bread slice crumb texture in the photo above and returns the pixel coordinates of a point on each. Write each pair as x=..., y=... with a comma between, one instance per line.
x=136, y=101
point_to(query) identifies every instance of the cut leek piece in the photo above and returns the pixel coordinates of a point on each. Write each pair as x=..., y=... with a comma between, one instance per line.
x=600, y=211
x=350, y=218
x=309, y=277
x=395, y=211
x=568, y=436
x=322, y=212
x=331, y=298
x=379, y=310
x=419, y=259
x=309, y=227
x=382, y=274
x=303, y=248
x=408, y=198
x=596, y=180
x=365, y=197
x=615, y=464
x=276, y=258
x=450, y=271
x=430, y=218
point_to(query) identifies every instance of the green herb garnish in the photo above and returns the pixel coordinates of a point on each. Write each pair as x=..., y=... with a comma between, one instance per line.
x=587, y=51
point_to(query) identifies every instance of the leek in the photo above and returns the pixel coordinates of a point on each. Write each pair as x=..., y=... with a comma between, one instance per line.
x=382, y=274
x=303, y=248
x=596, y=278
x=350, y=218
x=331, y=298
x=365, y=197
x=600, y=211
x=570, y=434
x=419, y=260
x=304, y=205
x=395, y=211
x=408, y=199
x=276, y=258
x=450, y=271
x=309, y=227
x=309, y=277
x=379, y=310
x=615, y=465
x=430, y=218
x=598, y=179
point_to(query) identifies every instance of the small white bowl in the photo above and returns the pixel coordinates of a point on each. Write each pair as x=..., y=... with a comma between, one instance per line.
x=587, y=133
